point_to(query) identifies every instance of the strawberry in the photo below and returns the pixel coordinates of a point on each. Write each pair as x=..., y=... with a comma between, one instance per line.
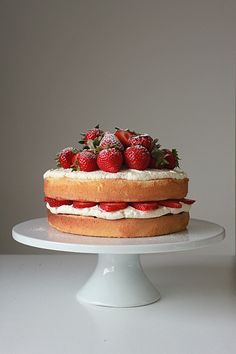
x=157, y=160
x=79, y=205
x=54, y=203
x=85, y=161
x=64, y=157
x=137, y=157
x=93, y=134
x=171, y=159
x=170, y=203
x=124, y=136
x=145, y=206
x=188, y=201
x=153, y=163
x=113, y=206
x=75, y=161
x=110, y=160
x=144, y=140
x=157, y=155
x=109, y=140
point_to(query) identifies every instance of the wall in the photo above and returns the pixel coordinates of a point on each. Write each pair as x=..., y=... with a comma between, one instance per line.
x=163, y=67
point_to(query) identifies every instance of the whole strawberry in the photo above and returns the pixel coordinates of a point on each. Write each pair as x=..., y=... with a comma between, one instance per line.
x=137, y=157
x=85, y=161
x=93, y=134
x=109, y=140
x=144, y=140
x=110, y=160
x=171, y=159
x=157, y=158
x=64, y=157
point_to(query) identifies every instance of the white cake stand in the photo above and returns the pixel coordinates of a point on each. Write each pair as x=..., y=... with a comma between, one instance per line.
x=118, y=280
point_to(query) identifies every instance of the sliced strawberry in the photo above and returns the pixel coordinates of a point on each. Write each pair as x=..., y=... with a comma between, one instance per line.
x=113, y=206
x=170, y=203
x=80, y=205
x=124, y=136
x=188, y=201
x=145, y=206
x=54, y=203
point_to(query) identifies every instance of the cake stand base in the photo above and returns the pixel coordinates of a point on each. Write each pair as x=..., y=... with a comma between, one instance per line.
x=118, y=281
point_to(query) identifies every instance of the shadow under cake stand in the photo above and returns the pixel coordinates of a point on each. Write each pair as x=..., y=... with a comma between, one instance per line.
x=118, y=279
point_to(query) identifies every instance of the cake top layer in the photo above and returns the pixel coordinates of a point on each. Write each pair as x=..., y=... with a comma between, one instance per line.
x=127, y=174
x=121, y=152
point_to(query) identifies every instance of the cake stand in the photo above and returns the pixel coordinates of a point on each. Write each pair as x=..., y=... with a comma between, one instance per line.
x=118, y=279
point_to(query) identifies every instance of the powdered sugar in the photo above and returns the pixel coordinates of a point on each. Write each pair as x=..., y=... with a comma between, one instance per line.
x=109, y=140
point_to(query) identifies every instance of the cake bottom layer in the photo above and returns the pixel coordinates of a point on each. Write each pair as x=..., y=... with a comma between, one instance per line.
x=91, y=226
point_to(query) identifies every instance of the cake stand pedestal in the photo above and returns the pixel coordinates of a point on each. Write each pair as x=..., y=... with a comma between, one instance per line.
x=118, y=279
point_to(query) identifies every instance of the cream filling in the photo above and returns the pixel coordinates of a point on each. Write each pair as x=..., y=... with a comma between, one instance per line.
x=127, y=213
x=128, y=174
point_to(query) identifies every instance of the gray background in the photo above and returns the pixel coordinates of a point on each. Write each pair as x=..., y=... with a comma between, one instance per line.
x=161, y=67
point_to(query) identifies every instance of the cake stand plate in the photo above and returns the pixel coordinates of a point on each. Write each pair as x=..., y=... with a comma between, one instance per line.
x=118, y=279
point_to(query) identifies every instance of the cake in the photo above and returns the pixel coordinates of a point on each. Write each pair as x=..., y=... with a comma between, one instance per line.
x=120, y=184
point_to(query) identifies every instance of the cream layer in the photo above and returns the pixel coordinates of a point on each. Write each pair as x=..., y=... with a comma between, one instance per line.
x=127, y=213
x=128, y=174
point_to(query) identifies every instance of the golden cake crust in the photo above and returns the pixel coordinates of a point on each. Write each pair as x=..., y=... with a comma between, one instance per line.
x=115, y=190
x=91, y=226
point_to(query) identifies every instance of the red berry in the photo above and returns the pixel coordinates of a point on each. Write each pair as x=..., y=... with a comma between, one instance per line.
x=145, y=206
x=137, y=157
x=54, y=203
x=153, y=163
x=92, y=134
x=170, y=203
x=124, y=136
x=113, y=206
x=75, y=160
x=65, y=157
x=157, y=155
x=171, y=159
x=79, y=205
x=188, y=201
x=144, y=140
x=85, y=161
x=110, y=160
x=109, y=140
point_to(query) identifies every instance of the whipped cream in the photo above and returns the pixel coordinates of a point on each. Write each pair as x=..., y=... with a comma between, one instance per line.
x=127, y=213
x=128, y=174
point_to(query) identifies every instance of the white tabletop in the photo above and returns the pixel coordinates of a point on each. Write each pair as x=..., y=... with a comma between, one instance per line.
x=40, y=314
